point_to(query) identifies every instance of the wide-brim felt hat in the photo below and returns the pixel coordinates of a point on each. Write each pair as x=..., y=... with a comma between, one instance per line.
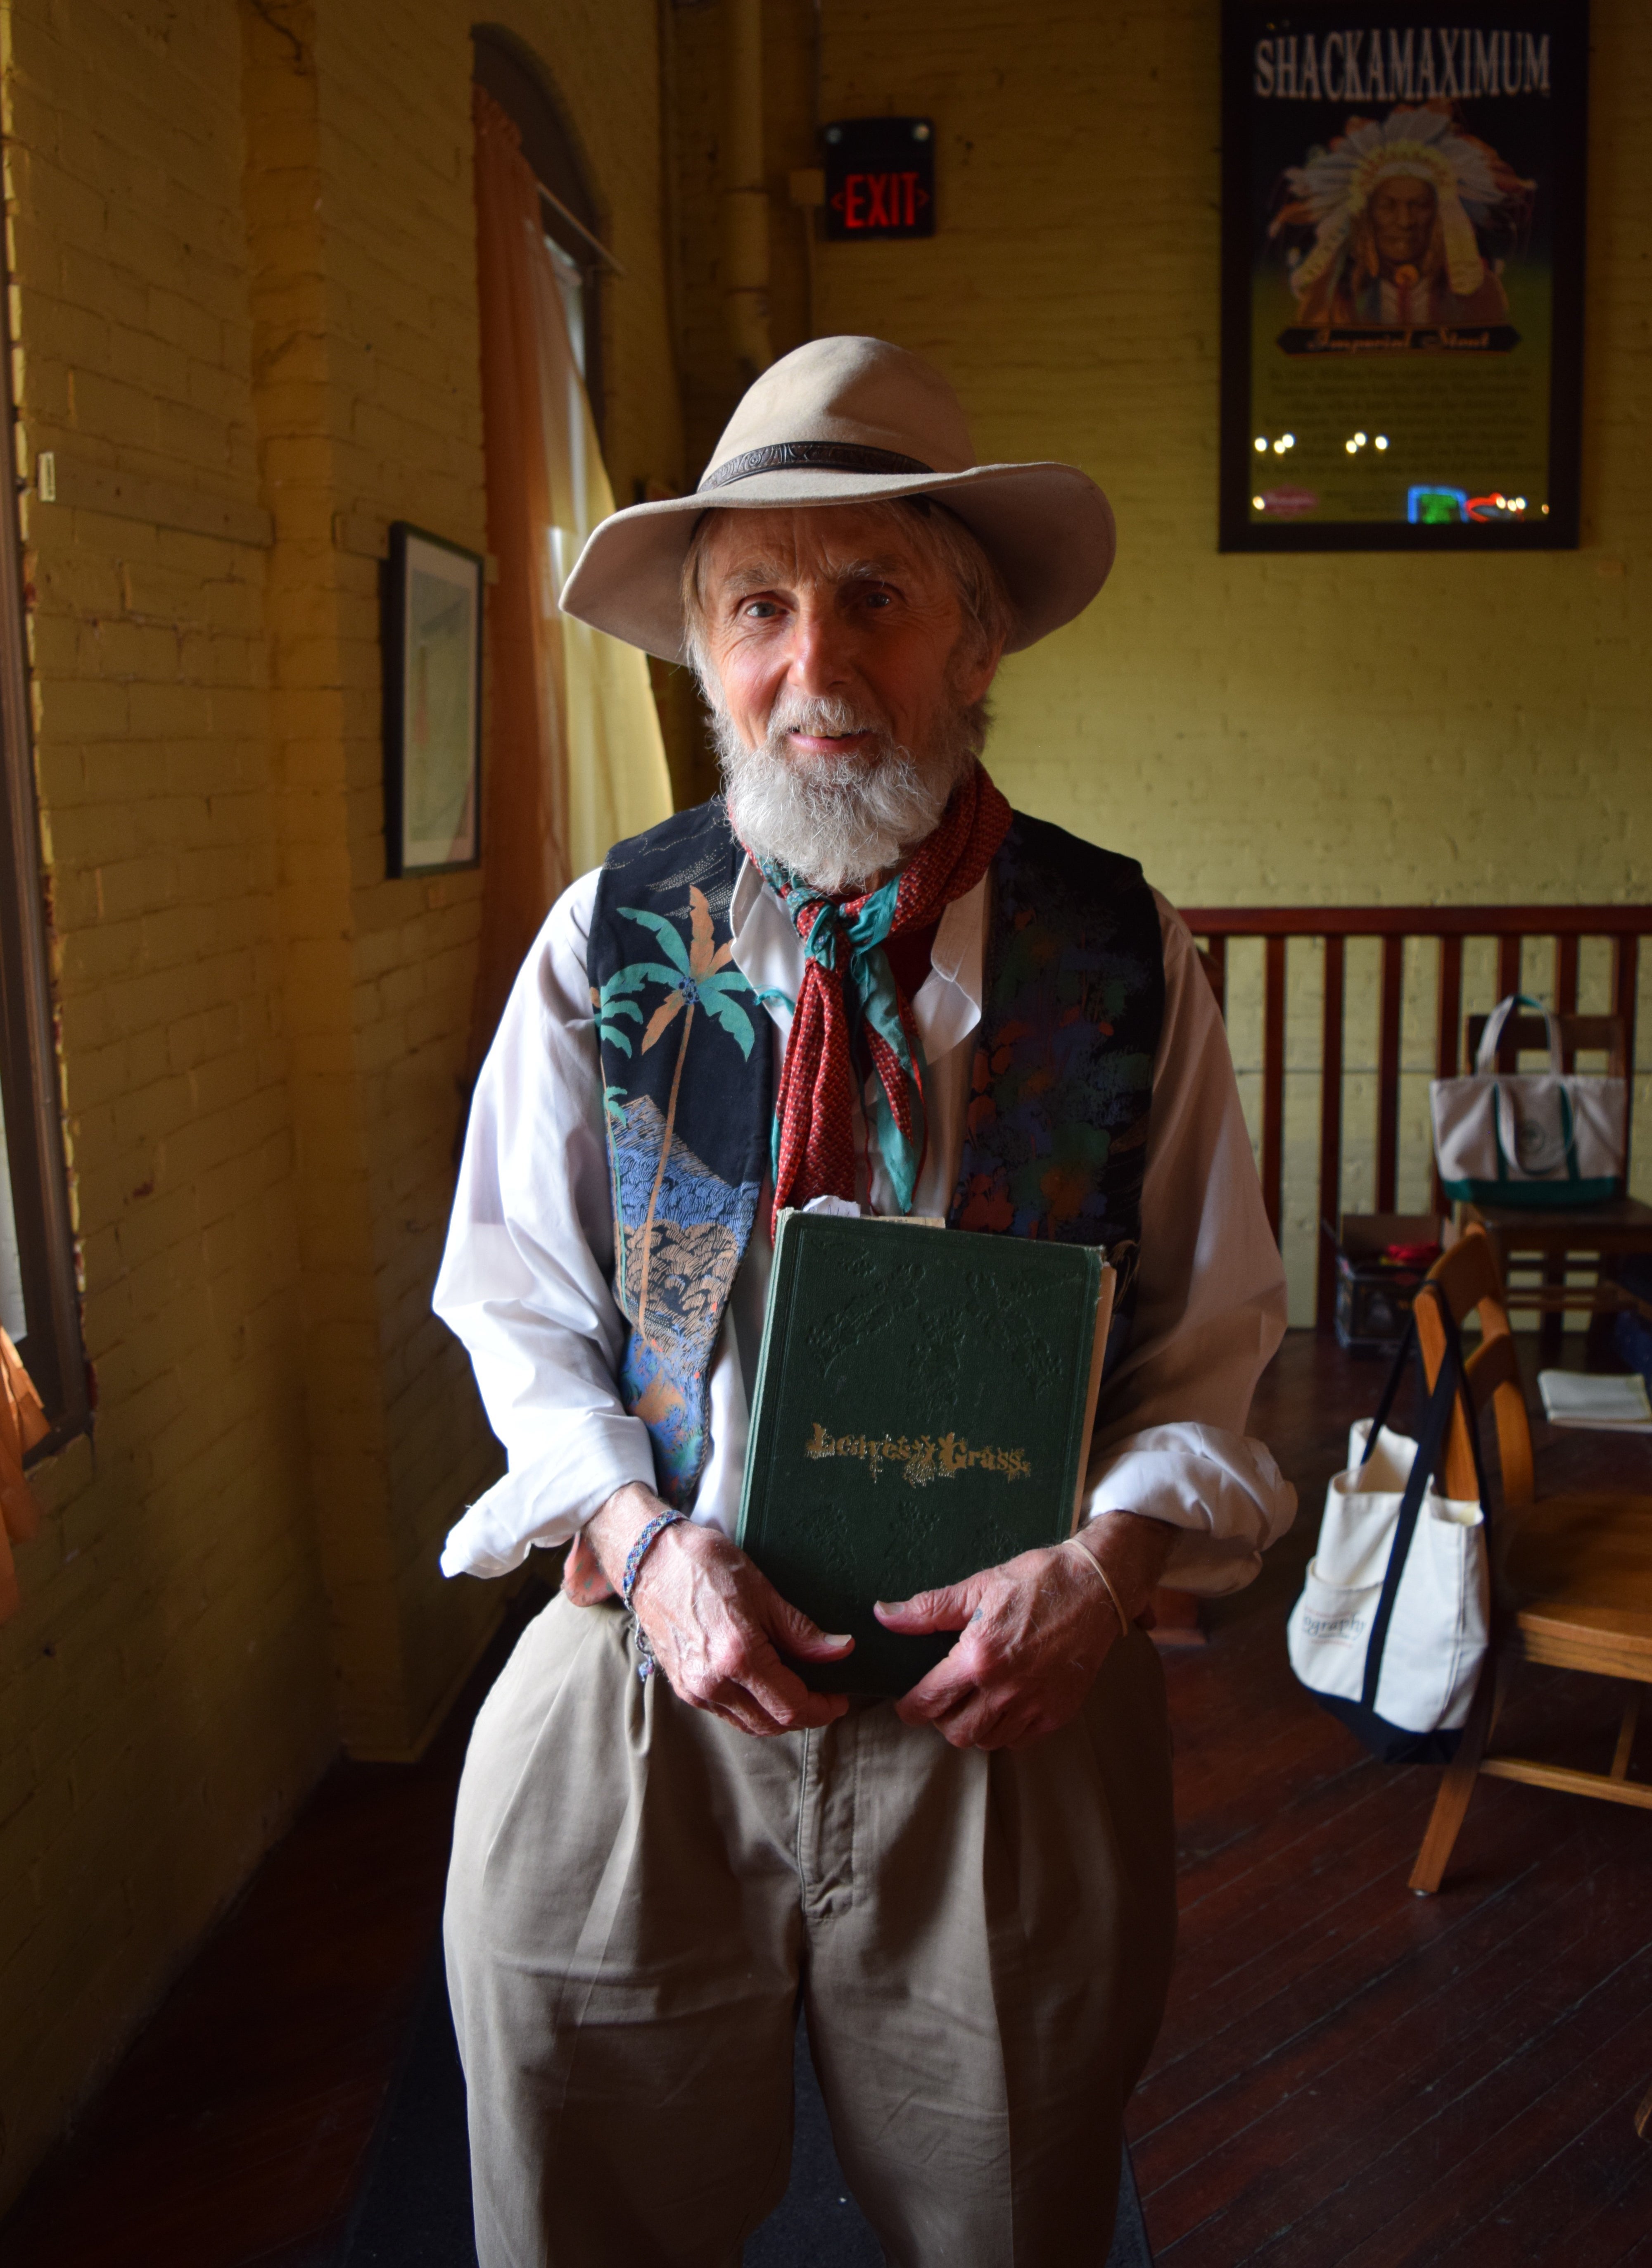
x=853, y=421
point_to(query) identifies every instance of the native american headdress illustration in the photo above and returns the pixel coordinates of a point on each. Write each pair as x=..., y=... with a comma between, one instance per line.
x=1329, y=193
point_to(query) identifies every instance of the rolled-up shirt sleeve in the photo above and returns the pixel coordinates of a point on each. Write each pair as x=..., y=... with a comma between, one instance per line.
x=525, y=1276
x=1170, y=1439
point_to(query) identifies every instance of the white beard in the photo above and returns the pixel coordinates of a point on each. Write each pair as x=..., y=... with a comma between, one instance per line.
x=838, y=822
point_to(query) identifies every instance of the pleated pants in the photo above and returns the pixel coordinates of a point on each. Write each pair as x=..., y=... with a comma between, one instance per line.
x=641, y=1898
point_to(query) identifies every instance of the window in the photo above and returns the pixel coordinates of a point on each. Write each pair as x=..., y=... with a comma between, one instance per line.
x=572, y=233
x=39, y=1303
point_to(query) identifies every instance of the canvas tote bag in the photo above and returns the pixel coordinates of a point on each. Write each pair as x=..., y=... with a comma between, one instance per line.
x=1549, y=1137
x=1391, y=1626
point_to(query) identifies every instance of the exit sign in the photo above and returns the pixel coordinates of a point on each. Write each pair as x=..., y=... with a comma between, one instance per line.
x=879, y=178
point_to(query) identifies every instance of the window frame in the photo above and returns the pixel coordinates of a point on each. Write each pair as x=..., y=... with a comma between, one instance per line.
x=52, y=1348
x=512, y=75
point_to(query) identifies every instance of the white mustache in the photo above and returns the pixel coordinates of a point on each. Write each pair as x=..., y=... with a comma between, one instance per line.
x=828, y=716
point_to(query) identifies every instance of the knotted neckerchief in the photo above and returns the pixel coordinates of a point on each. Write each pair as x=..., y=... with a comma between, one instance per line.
x=860, y=1009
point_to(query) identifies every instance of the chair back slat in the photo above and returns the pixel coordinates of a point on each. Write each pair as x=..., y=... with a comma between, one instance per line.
x=1579, y=1035
x=1494, y=1379
x=1467, y=1275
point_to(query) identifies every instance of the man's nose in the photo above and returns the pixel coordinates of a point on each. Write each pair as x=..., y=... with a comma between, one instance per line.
x=819, y=663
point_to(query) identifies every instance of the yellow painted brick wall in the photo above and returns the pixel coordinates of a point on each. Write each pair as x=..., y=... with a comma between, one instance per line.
x=1353, y=727
x=397, y=216
x=361, y=198
x=242, y=244
x=1313, y=729
x=165, y=1693
x=1357, y=727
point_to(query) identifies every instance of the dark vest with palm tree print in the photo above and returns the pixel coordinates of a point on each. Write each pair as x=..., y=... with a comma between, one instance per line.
x=1055, y=1141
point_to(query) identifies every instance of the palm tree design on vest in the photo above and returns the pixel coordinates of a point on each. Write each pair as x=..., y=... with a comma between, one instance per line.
x=695, y=974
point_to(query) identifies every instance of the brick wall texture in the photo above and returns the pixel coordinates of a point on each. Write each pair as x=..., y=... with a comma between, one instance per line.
x=1353, y=728
x=241, y=257
x=241, y=246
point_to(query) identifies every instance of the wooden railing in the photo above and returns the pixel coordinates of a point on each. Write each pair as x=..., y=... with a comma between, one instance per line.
x=1510, y=926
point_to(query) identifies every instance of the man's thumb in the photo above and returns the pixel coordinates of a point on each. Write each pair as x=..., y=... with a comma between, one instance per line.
x=947, y=1609
x=798, y=1635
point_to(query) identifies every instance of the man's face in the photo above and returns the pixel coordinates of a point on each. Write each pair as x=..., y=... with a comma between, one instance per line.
x=1402, y=220
x=834, y=604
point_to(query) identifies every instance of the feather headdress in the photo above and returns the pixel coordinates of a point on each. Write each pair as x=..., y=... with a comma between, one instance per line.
x=1471, y=182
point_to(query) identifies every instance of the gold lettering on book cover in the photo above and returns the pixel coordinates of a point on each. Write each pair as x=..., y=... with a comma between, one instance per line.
x=918, y=1458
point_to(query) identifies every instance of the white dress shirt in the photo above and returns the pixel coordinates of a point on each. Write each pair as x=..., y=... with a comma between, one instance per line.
x=525, y=1280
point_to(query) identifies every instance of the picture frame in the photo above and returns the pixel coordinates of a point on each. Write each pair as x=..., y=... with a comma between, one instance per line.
x=1402, y=276
x=433, y=607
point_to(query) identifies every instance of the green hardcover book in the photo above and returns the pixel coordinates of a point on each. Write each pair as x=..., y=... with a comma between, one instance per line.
x=923, y=1410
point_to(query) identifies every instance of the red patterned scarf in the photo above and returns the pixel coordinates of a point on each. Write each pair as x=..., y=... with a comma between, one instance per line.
x=851, y=1001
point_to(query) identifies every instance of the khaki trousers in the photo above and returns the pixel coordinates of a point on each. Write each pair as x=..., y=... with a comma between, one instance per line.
x=640, y=1896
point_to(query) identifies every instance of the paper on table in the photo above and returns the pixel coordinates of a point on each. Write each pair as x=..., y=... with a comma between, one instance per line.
x=1612, y=1406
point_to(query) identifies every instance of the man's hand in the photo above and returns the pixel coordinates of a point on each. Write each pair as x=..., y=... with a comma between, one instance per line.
x=716, y=1625
x=1035, y=1633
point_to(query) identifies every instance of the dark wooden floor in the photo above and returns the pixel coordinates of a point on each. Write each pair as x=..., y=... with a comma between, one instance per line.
x=237, y=2130
x=1349, y=2077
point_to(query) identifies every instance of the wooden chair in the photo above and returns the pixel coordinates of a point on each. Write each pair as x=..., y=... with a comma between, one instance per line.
x=1572, y=1575
x=1563, y=1237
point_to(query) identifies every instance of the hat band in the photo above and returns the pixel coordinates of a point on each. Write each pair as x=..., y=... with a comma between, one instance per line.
x=811, y=457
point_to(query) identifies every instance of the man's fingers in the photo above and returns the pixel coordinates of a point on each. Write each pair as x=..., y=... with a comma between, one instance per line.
x=750, y=1680
x=785, y=1697
x=973, y=1723
x=799, y=1636
x=948, y=1686
x=736, y=1704
x=950, y=1609
x=745, y=1721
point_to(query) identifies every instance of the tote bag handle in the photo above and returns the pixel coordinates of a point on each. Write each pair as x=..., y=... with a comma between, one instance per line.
x=1486, y=1059
x=1449, y=1388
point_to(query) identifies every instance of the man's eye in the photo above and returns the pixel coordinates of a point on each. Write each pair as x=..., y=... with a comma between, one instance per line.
x=759, y=610
x=879, y=598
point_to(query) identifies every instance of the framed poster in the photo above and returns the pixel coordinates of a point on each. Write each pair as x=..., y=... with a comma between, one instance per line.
x=1402, y=263
x=433, y=620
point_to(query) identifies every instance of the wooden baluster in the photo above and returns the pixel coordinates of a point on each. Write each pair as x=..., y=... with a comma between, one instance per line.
x=1215, y=956
x=1565, y=990
x=1509, y=925
x=1388, y=1074
x=1566, y=976
x=1507, y=982
x=1448, y=1038
x=1273, y=1083
x=1626, y=970
x=1330, y=1137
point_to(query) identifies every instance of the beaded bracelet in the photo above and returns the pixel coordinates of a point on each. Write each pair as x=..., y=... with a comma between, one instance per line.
x=634, y=1558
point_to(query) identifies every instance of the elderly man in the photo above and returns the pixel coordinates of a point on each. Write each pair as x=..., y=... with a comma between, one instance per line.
x=969, y=1891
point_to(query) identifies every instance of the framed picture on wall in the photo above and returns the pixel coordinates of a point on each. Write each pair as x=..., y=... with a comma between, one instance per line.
x=432, y=645
x=1402, y=276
